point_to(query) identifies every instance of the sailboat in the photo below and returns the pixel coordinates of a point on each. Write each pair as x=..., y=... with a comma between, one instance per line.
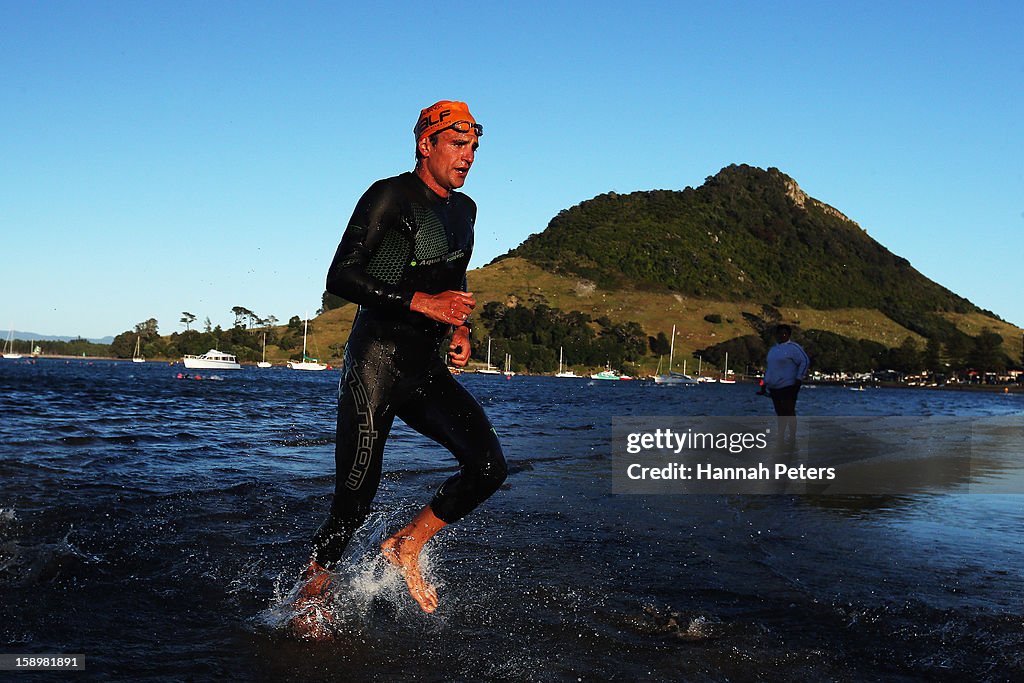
x=560, y=373
x=701, y=379
x=137, y=356
x=508, y=366
x=725, y=375
x=674, y=377
x=306, y=363
x=263, y=363
x=9, y=351
x=490, y=369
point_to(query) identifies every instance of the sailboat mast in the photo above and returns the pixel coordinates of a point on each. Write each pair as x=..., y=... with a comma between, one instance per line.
x=305, y=330
x=671, y=349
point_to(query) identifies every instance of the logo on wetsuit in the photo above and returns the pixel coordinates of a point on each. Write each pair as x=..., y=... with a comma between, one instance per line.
x=367, y=436
x=454, y=256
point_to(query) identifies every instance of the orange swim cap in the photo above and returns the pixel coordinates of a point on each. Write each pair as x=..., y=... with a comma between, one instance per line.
x=439, y=116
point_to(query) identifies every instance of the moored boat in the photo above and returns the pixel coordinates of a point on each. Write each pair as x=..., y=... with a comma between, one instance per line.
x=609, y=374
x=673, y=377
x=490, y=369
x=212, y=360
x=138, y=357
x=563, y=373
x=263, y=363
x=306, y=363
x=9, y=351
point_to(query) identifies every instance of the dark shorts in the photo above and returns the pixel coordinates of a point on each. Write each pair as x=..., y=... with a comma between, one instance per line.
x=784, y=399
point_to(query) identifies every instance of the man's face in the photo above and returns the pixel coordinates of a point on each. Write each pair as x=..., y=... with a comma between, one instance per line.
x=447, y=163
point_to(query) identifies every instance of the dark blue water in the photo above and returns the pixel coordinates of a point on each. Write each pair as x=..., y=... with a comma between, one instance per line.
x=157, y=526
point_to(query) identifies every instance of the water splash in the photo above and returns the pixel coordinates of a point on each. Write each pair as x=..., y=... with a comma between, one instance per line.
x=362, y=586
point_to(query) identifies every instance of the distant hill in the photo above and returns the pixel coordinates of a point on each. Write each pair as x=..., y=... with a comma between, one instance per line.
x=746, y=234
x=33, y=336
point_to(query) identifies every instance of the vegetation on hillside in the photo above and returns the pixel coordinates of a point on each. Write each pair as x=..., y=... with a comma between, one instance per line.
x=534, y=335
x=745, y=235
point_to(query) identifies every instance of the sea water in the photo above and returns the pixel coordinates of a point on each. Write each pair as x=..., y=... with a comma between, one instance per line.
x=159, y=527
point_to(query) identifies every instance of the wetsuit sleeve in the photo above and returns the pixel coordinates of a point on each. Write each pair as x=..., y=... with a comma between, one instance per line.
x=375, y=215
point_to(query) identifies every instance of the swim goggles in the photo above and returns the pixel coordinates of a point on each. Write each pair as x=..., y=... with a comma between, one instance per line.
x=465, y=127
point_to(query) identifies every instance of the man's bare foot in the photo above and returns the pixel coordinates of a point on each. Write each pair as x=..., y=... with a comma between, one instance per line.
x=404, y=553
x=312, y=611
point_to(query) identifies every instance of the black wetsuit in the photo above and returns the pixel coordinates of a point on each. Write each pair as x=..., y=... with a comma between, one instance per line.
x=403, y=238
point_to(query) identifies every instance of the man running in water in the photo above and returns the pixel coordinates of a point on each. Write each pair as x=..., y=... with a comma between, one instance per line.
x=403, y=259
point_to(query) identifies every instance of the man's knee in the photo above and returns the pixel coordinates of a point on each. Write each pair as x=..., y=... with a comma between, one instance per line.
x=485, y=474
x=492, y=473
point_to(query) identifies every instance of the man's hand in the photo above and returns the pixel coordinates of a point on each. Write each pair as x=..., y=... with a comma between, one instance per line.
x=451, y=307
x=459, y=350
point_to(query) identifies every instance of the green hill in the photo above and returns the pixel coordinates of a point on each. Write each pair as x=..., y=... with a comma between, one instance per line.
x=745, y=235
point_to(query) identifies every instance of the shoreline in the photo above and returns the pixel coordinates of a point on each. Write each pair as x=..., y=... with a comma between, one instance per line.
x=996, y=388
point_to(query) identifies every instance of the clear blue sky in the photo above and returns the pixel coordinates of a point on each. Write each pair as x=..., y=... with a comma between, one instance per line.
x=165, y=157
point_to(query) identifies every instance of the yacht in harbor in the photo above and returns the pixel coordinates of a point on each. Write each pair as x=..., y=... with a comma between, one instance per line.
x=565, y=373
x=212, y=360
x=138, y=357
x=9, y=351
x=306, y=363
x=490, y=369
x=263, y=362
x=673, y=377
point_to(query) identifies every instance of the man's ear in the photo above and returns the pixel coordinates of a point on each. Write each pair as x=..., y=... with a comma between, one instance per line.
x=424, y=146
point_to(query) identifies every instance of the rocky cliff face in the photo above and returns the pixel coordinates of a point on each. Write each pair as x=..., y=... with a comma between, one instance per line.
x=801, y=198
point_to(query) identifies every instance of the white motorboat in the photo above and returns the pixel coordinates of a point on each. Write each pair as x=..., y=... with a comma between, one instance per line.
x=608, y=373
x=212, y=360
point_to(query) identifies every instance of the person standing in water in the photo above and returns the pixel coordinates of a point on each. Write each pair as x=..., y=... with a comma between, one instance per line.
x=403, y=259
x=785, y=371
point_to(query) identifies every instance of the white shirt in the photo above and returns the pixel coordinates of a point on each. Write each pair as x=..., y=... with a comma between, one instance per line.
x=787, y=363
